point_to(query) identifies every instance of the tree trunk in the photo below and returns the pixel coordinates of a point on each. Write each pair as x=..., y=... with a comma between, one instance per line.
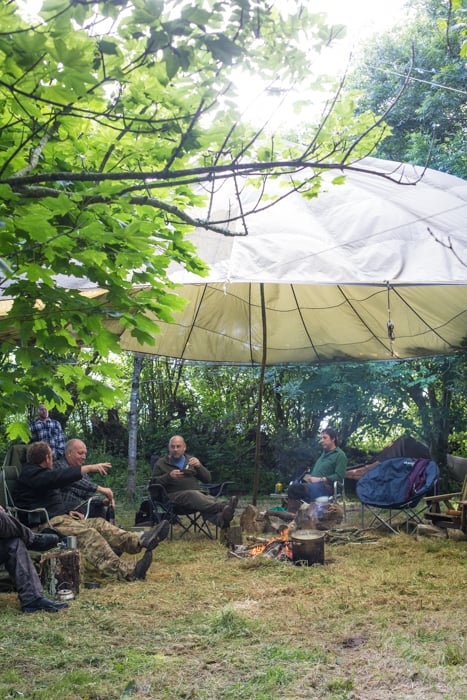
x=138, y=361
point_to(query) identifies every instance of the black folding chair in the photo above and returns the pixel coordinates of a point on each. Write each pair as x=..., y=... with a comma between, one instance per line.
x=32, y=517
x=162, y=508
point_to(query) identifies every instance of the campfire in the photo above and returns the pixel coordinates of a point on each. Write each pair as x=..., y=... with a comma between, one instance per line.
x=278, y=547
x=302, y=548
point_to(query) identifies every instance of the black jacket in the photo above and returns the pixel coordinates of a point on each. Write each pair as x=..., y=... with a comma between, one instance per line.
x=37, y=487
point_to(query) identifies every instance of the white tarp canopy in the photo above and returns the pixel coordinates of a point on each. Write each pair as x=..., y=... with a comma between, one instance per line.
x=370, y=269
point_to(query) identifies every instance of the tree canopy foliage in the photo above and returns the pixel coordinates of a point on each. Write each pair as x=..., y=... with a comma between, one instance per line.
x=428, y=54
x=111, y=114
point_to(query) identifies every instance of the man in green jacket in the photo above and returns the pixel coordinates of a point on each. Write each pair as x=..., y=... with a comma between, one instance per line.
x=328, y=468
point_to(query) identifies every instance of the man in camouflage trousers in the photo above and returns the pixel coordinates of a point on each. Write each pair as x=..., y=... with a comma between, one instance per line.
x=39, y=486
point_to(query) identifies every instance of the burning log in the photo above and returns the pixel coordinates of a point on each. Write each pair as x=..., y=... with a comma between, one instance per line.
x=277, y=548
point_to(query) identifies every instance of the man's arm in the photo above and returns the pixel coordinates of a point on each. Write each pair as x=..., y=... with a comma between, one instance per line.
x=161, y=472
x=107, y=493
x=200, y=471
x=340, y=465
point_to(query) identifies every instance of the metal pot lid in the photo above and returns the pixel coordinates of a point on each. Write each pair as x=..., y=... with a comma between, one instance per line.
x=307, y=535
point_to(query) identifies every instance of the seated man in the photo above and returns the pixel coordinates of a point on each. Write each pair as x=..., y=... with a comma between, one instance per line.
x=180, y=474
x=39, y=486
x=329, y=467
x=79, y=492
x=15, y=538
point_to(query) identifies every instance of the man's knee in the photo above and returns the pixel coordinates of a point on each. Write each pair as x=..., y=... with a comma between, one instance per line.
x=297, y=492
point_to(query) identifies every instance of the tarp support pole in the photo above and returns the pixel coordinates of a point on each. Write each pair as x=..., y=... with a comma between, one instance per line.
x=260, y=397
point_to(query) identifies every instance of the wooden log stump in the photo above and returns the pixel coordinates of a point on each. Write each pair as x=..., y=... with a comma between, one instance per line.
x=234, y=535
x=248, y=520
x=60, y=570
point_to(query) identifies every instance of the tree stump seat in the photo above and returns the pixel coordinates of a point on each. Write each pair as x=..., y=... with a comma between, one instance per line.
x=60, y=569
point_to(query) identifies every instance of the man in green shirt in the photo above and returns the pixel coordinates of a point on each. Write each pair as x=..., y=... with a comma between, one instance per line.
x=328, y=468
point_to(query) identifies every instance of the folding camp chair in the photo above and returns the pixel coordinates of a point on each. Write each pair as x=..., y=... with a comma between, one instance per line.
x=392, y=490
x=162, y=508
x=217, y=490
x=32, y=517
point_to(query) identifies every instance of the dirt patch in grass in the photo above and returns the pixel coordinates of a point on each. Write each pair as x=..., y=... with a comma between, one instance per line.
x=379, y=621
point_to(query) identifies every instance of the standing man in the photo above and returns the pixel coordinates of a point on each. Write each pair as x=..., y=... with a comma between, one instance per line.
x=329, y=467
x=180, y=475
x=15, y=538
x=48, y=430
x=78, y=492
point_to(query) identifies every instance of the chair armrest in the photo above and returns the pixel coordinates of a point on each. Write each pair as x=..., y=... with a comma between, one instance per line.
x=14, y=510
x=442, y=497
x=216, y=489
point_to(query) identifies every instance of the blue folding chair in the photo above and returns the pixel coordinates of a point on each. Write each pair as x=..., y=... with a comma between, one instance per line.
x=392, y=492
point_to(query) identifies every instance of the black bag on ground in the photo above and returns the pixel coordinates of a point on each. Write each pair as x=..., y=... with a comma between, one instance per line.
x=143, y=515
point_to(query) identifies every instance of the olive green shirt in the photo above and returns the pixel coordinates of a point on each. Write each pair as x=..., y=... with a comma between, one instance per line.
x=331, y=465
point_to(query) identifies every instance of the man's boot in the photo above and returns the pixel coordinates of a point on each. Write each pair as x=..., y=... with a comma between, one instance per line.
x=293, y=506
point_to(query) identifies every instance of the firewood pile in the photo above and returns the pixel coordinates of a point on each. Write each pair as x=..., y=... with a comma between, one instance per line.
x=349, y=535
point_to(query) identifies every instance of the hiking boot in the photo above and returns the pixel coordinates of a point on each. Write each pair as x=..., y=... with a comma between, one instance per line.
x=228, y=512
x=293, y=506
x=142, y=565
x=150, y=540
x=43, y=605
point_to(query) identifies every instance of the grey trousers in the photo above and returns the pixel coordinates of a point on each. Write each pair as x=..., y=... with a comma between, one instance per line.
x=14, y=538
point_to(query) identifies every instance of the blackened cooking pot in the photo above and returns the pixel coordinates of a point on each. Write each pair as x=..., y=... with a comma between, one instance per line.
x=307, y=547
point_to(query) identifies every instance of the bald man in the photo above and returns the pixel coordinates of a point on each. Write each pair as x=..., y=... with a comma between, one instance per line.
x=180, y=475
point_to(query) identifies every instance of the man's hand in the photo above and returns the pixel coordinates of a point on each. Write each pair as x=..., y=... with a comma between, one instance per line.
x=313, y=479
x=77, y=516
x=194, y=462
x=176, y=474
x=101, y=468
x=108, y=493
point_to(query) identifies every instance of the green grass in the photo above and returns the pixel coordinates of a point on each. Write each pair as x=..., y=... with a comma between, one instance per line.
x=379, y=621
